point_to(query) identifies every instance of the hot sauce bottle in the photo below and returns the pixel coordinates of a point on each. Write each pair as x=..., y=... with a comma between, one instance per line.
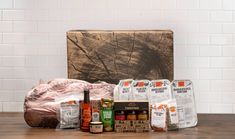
x=86, y=112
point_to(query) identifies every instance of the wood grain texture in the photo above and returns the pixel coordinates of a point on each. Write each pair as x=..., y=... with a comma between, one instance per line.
x=113, y=55
x=12, y=126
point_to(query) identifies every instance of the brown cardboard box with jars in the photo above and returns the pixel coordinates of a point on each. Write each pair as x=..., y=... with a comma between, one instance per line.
x=131, y=116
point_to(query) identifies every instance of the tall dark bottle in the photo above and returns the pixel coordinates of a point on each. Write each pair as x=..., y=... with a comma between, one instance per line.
x=86, y=112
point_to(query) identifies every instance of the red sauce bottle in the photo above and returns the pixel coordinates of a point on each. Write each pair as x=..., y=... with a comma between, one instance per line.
x=86, y=112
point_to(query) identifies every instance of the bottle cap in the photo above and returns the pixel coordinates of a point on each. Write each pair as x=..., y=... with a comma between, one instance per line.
x=86, y=96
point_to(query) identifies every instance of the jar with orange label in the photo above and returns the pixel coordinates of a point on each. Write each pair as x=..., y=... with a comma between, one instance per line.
x=131, y=115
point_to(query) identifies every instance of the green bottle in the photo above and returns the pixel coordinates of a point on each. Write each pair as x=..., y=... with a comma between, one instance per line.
x=107, y=115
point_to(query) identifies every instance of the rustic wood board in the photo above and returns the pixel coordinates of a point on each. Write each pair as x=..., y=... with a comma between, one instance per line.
x=109, y=56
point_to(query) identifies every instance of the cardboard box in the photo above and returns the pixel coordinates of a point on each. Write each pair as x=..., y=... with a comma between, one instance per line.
x=131, y=125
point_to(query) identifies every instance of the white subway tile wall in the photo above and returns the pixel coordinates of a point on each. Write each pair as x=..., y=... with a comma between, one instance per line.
x=6, y=4
x=33, y=42
x=12, y=106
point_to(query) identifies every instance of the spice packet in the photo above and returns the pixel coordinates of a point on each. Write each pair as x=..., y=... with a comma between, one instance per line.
x=107, y=115
x=69, y=114
x=159, y=91
x=182, y=91
x=172, y=115
x=124, y=90
x=158, y=116
x=140, y=89
x=68, y=111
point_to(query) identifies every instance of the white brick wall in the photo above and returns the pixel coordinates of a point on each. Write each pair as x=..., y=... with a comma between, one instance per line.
x=33, y=44
x=6, y=4
x=6, y=26
x=210, y=4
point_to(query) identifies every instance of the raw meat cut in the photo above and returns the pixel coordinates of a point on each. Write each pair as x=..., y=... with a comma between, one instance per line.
x=40, y=106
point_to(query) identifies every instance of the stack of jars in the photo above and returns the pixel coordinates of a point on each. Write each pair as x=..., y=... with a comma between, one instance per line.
x=131, y=115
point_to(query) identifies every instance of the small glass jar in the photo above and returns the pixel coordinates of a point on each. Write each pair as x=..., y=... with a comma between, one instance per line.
x=120, y=115
x=142, y=115
x=96, y=127
x=131, y=115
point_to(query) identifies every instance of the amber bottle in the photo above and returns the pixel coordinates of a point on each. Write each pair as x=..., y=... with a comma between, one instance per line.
x=86, y=112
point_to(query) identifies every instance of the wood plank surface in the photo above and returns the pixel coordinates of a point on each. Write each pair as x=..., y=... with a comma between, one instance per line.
x=12, y=126
x=113, y=55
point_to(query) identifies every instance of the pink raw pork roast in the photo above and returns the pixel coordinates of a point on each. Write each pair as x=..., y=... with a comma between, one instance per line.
x=40, y=106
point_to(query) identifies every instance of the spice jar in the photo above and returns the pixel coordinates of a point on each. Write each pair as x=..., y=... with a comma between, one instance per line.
x=131, y=115
x=96, y=127
x=142, y=115
x=120, y=115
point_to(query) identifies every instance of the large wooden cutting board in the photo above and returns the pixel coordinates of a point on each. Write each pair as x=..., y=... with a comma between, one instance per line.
x=109, y=56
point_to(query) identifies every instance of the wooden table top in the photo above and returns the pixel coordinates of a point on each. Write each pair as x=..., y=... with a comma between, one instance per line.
x=12, y=126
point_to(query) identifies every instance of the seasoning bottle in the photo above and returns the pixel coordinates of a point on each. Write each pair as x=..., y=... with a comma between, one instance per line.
x=120, y=115
x=142, y=115
x=131, y=116
x=86, y=112
x=95, y=106
x=107, y=115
